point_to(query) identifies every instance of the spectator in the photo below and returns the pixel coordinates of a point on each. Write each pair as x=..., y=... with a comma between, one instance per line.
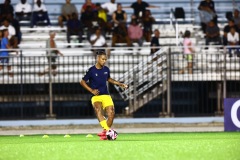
x=15, y=23
x=119, y=16
x=188, y=52
x=93, y=23
x=147, y=21
x=101, y=12
x=5, y=9
x=13, y=41
x=66, y=11
x=88, y=3
x=135, y=32
x=74, y=27
x=207, y=13
x=236, y=17
x=4, y=55
x=86, y=17
x=110, y=8
x=23, y=10
x=226, y=30
x=213, y=34
x=40, y=13
x=155, y=41
x=98, y=40
x=120, y=35
x=139, y=8
x=233, y=40
x=51, y=55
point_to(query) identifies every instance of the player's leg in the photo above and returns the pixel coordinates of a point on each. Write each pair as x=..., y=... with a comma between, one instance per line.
x=99, y=113
x=110, y=114
x=108, y=106
x=97, y=106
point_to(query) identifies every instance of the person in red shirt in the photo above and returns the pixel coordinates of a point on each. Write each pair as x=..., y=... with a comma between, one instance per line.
x=86, y=4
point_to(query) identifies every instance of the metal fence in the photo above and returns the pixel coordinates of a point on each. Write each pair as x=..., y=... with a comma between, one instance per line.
x=163, y=84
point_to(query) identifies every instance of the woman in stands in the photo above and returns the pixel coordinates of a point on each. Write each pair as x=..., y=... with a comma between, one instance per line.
x=188, y=52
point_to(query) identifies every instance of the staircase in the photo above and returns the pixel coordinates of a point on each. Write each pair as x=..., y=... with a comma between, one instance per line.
x=146, y=81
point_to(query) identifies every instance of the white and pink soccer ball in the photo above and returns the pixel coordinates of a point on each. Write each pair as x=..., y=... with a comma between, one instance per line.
x=111, y=134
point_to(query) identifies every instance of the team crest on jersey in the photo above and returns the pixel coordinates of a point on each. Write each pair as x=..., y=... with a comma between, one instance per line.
x=105, y=72
x=96, y=74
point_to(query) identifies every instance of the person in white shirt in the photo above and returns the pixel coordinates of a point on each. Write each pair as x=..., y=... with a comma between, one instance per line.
x=110, y=8
x=13, y=41
x=23, y=10
x=233, y=40
x=40, y=14
x=98, y=40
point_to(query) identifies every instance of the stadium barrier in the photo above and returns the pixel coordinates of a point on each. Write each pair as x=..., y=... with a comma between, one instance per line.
x=162, y=84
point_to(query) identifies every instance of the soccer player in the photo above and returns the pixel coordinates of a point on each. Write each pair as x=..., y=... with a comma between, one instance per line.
x=98, y=76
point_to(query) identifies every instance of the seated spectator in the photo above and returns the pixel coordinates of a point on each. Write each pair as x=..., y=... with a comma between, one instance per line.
x=93, y=23
x=147, y=21
x=4, y=55
x=213, y=34
x=188, y=52
x=233, y=40
x=98, y=40
x=40, y=14
x=74, y=27
x=88, y=3
x=13, y=41
x=155, y=41
x=119, y=16
x=120, y=35
x=101, y=12
x=135, y=32
x=66, y=11
x=236, y=17
x=226, y=30
x=5, y=9
x=15, y=23
x=23, y=10
x=86, y=17
x=51, y=55
x=207, y=13
x=110, y=8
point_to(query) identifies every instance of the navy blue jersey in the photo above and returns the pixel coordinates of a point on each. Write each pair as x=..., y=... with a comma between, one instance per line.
x=98, y=78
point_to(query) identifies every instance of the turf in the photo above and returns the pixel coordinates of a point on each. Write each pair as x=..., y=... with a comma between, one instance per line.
x=179, y=146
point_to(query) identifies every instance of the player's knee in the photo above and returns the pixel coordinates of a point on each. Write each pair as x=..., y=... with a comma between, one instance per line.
x=97, y=108
x=111, y=111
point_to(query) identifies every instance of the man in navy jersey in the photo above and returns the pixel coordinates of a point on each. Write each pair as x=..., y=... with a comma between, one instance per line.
x=98, y=76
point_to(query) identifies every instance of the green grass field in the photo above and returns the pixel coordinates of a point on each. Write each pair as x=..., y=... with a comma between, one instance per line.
x=179, y=146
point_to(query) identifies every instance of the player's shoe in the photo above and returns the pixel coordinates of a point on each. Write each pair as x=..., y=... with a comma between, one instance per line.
x=103, y=138
x=103, y=133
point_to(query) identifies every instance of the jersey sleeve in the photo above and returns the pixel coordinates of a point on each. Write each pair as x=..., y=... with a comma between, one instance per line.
x=87, y=75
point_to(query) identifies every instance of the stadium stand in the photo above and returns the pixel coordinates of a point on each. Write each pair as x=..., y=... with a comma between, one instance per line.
x=76, y=60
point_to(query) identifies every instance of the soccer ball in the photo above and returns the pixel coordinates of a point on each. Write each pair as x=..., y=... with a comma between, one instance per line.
x=111, y=134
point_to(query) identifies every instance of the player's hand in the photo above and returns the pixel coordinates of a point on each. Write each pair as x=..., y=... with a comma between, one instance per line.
x=95, y=92
x=124, y=86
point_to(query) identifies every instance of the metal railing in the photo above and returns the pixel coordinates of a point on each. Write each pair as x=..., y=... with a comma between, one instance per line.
x=159, y=84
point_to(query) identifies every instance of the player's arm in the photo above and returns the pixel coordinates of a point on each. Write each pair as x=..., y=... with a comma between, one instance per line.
x=110, y=80
x=86, y=86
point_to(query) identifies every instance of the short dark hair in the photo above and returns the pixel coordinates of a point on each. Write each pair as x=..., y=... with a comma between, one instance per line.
x=100, y=52
x=187, y=34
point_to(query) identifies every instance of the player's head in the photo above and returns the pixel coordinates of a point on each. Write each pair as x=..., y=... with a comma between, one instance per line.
x=101, y=57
